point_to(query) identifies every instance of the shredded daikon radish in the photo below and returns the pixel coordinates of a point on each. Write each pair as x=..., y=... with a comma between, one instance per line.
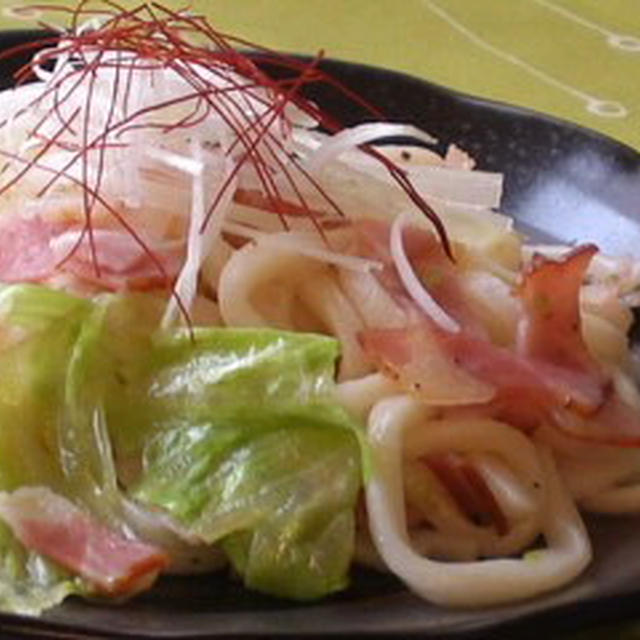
x=199, y=242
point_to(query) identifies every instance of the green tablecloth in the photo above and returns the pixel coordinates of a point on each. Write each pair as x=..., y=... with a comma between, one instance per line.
x=577, y=59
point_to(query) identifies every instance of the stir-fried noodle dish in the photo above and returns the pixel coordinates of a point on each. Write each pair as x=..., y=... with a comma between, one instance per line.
x=237, y=336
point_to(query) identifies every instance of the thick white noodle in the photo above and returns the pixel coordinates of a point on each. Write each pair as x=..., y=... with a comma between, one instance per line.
x=376, y=306
x=479, y=583
x=493, y=302
x=305, y=244
x=607, y=342
x=324, y=298
x=262, y=285
x=214, y=263
x=601, y=478
x=358, y=396
x=252, y=268
x=515, y=500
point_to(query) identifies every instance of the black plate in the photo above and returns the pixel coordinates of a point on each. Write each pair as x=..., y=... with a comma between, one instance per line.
x=561, y=182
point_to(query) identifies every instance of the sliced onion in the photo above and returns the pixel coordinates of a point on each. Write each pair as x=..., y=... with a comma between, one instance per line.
x=118, y=251
x=411, y=282
x=363, y=134
x=295, y=243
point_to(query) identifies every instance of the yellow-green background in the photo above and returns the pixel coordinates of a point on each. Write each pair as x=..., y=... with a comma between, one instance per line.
x=408, y=35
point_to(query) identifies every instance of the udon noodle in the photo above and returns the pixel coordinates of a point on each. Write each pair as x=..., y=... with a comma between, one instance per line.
x=532, y=539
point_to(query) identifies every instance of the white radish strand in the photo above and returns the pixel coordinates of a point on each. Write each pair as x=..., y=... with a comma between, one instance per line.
x=414, y=287
x=199, y=241
x=177, y=161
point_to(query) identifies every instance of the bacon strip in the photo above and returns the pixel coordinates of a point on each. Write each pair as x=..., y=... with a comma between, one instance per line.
x=25, y=254
x=550, y=377
x=490, y=379
x=430, y=263
x=528, y=384
x=53, y=526
x=415, y=357
x=31, y=250
x=123, y=263
x=551, y=329
x=469, y=490
x=525, y=379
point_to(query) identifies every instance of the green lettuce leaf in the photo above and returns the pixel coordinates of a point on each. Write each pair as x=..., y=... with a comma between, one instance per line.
x=163, y=380
x=42, y=327
x=29, y=583
x=39, y=328
x=234, y=432
x=85, y=448
x=276, y=484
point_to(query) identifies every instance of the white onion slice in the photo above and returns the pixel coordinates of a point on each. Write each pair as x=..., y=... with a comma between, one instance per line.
x=294, y=243
x=121, y=248
x=363, y=134
x=411, y=282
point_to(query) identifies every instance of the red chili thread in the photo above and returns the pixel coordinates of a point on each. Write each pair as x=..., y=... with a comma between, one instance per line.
x=157, y=36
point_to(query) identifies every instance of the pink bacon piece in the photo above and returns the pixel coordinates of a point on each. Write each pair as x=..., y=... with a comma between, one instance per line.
x=122, y=263
x=430, y=263
x=468, y=490
x=25, y=252
x=34, y=250
x=53, y=526
x=551, y=329
x=550, y=378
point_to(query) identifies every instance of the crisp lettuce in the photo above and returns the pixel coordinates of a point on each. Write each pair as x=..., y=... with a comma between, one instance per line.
x=29, y=583
x=276, y=484
x=233, y=432
x=239, y=439
x=39, y=330
x=175, y=378
x=84, y=444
